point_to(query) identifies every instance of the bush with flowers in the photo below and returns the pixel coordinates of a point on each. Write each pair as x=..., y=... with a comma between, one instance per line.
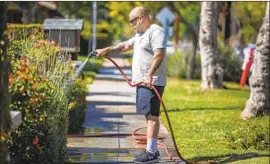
x=77, y=105
x=40, y=89
x=31, y=94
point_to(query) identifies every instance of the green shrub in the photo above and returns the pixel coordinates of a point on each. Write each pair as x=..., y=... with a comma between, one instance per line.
x=177, y=65
x=230, y=62
x=232, y=68
x=77, y=105
x=197, y=69
x=250, y=135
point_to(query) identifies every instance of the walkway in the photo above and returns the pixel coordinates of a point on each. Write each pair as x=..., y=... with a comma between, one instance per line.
x=111, y=110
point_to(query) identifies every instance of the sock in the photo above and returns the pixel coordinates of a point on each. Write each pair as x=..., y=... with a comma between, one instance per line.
x=151, y=145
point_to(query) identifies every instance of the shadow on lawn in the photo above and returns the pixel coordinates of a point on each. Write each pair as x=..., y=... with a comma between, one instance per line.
x=229, y=158
x=246, y=89
x=236, y=157
x=208, y=108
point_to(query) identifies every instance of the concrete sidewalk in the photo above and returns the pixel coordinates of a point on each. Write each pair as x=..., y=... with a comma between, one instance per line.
x=111, y=110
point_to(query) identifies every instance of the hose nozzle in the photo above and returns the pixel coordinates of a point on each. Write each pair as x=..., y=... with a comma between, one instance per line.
x=92, y=54
x=79, y=70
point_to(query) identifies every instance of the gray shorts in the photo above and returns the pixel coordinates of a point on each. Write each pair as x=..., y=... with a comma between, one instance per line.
x=147, y=101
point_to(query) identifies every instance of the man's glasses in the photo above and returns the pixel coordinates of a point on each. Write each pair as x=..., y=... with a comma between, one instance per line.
x=133, y=20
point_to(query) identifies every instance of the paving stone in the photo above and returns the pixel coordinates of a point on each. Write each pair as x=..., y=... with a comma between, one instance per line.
x=93, y=142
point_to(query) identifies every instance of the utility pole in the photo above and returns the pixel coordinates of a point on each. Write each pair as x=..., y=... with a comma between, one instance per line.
x=94, y=28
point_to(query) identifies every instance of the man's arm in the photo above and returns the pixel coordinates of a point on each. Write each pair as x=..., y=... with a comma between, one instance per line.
x=120, y=47
x=157, y=60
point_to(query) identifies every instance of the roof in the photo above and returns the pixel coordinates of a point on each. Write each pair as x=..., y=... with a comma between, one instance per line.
x=17, y=7
x=63, y=24
x=49, y=5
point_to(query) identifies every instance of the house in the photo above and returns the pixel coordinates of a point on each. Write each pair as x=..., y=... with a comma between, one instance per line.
x=31, y=11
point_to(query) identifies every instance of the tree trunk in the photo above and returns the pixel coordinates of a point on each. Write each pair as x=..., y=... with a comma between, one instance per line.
x=176, y=31
x=4, y=65
x=212, y=73
x=191, y=60
x=176, y=25
x=227, y=31
x=5, y=120
x=259, y=100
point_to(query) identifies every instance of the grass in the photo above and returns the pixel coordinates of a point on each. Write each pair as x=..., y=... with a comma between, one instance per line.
x=90, y=69
x=201, y=120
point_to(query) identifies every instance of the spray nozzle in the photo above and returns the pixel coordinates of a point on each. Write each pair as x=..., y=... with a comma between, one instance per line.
x=92, y=54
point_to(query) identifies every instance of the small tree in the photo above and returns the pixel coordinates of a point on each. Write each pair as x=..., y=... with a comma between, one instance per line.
x=259, y=100
x=212, y=73
x=179, y=17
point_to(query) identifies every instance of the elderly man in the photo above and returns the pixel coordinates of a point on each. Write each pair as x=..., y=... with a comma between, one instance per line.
x=149, y=67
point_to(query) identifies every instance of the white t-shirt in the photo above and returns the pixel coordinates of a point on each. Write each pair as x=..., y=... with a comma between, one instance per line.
x=144, y=45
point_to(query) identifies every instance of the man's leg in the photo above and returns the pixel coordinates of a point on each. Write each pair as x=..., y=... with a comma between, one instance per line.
x=147, y=103
x=152, y=133
x=150, y=155
x=152, y=126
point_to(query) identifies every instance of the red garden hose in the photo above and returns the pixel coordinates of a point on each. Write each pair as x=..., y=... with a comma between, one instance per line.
x=140, y=138
x=143, y=139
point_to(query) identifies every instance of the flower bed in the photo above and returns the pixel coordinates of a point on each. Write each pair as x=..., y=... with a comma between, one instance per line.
x=40, y=88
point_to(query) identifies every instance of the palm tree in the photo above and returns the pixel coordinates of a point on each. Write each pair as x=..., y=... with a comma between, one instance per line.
x=259, y=100
x=212, y=73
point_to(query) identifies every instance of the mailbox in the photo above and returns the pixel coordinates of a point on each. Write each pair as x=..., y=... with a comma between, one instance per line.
x=65, y=32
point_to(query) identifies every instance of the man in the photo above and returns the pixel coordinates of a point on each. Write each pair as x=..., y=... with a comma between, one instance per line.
x=149, y=67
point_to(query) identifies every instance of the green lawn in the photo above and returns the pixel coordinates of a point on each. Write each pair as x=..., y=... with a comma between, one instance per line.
x=201, y=120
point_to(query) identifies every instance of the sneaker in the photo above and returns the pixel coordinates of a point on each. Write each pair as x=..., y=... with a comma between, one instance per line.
x=147, y=157
x=139, y=154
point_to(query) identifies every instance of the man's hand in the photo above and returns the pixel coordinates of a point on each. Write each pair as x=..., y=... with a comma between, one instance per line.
x=102, y=52
x=148, y=80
